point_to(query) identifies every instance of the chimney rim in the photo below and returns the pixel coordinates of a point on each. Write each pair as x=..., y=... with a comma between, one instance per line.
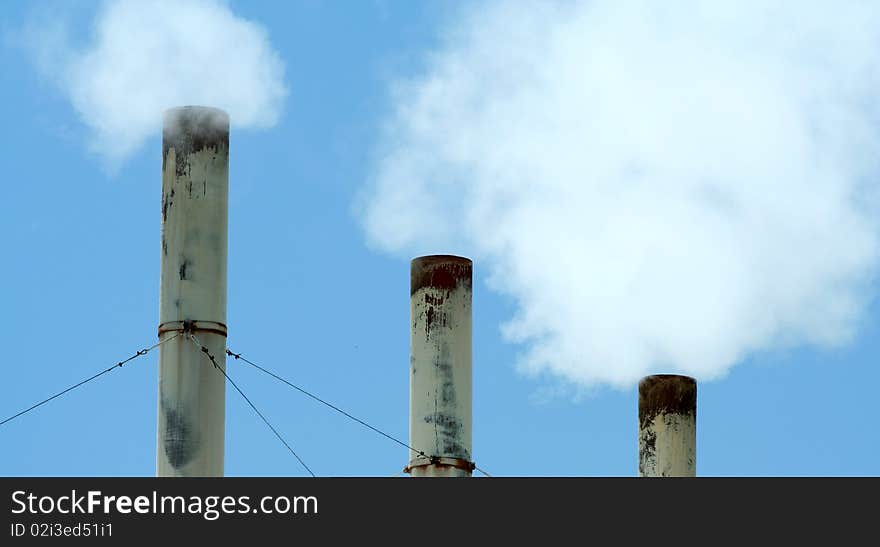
x=194, y=108
x=440, y=258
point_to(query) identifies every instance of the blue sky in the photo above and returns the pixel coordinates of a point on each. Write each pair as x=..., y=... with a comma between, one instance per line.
x=315, y=298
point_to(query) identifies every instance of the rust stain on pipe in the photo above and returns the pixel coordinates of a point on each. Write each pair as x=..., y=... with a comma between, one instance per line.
x=443, y=272
x=665, y=394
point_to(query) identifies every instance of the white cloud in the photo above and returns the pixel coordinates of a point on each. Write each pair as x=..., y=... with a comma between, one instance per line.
x=659, y=186
x=145, y=56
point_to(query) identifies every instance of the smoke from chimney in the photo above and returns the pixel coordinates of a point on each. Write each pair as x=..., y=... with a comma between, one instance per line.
x=146, y=56
x=658, y=186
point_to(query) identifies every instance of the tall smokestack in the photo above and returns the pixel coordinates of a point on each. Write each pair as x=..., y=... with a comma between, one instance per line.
x=440, y=366
x=195, y=168
x=667, y=426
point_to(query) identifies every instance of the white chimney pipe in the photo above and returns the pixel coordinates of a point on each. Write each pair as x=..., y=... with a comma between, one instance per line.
x=440, y=366
x=195, y=168
x=667, y=426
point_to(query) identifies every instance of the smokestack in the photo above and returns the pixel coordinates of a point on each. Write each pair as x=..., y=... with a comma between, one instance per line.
x=667, y=426
x=440, y=366
x=195, y=168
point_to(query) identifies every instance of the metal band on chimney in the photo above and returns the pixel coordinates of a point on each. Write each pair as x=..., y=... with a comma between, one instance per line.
x=213, y=327
x=456, y=463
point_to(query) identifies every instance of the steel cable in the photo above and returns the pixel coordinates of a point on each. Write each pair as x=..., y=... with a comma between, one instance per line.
x=213, y=360
x=119, y=364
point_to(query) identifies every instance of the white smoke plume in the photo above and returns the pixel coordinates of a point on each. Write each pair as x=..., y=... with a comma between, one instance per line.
x=660, y=186
x=145, y=56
